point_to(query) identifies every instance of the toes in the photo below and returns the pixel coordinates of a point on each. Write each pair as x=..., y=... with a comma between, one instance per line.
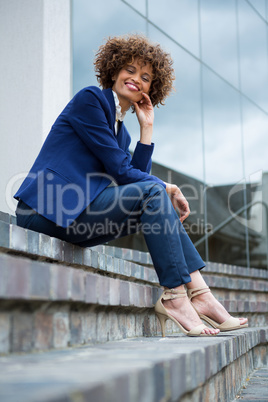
x=214, y=331
x=243, y=320
x=210, y=331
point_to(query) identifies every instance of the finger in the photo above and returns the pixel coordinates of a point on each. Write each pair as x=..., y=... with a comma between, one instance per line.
x=147, y=97
x=136, y=107
x=184, y=215
x=182, y=218
x=184, y=209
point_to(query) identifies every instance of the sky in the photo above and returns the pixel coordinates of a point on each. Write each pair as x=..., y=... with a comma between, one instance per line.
x=214, y=126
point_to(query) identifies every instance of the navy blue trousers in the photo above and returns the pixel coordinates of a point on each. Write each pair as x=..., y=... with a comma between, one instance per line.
x=123, y=210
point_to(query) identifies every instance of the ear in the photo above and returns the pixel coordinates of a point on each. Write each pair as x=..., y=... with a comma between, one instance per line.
x=114, y=77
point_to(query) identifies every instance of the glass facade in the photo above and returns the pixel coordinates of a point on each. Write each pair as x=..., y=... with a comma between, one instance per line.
x=213, y=128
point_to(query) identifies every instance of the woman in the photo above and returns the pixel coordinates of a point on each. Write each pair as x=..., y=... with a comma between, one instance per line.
x=68, y=192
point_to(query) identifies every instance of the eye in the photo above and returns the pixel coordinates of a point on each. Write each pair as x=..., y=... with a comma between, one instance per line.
x=130, y=70
x=146, y=79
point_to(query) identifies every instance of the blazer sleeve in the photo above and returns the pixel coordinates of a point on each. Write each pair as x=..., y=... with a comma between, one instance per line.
x=142, y=157
x=88, y=116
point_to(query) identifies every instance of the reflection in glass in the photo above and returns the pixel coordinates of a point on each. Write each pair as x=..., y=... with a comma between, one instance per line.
x=177, y=131
x=178, y=125
x=222, y=131
x=255, y=138
x=91, y=25
x=253, y=55
x=259, y=6
x=219, y=48
x=139, y=5
x=223, y=160
x=179, y=19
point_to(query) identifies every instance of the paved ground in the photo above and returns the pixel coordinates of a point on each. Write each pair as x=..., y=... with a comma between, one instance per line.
x=129, y=366
x=256, y=387
x=139, y=369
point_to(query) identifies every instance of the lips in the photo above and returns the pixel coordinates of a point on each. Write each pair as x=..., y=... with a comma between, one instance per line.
x=132, y=87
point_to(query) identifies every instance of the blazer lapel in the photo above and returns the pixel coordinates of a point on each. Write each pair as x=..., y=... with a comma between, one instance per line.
x=109, y=96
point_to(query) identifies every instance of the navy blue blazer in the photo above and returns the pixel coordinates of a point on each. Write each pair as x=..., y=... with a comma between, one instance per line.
x=81, y=156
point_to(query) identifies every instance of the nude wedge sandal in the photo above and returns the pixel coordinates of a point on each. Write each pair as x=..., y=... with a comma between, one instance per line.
x=163, y=315
x=229, y=325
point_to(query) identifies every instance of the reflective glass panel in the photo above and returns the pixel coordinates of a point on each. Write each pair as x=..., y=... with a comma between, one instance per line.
x=177, y=131
x=260, y=6
x=222, y=131
x=255, y=129
x=224, y=168
x=91, y=24
x=179, y=19
x=139, y=5
x=219, y=38
x=253, y=55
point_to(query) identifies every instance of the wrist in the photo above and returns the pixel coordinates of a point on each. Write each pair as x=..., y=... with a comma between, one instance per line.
x=146, y=133
x=172, y=189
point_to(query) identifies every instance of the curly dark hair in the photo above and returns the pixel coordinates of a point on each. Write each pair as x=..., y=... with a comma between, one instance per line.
x=119, y=51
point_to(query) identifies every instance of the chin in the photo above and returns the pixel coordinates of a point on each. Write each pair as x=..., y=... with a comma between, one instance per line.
x=136, y=98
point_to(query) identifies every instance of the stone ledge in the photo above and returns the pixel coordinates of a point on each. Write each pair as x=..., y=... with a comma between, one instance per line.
x=140, y=370
x=5, y=217
x=45, y=305
x=234, y=270
x=137, y=256
x=54, y=294
x=40, y=245
x=14, y=239
x=128, y=263
x=26, y=279
x=212, y=267
x=243, y=284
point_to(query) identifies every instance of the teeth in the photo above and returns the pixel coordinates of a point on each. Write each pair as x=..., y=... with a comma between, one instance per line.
x=132, y=86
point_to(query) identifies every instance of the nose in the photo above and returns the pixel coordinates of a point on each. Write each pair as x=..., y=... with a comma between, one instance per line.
x=136, y=78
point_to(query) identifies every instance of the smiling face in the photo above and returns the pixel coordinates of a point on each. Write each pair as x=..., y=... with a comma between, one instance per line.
x=131, y=81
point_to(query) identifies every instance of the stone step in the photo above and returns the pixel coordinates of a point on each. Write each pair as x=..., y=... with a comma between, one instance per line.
x=130, y=263
x=16, y=240
x=255, y=388
x=49, y=305
x=54, y=294
x=45, y=305
x=137, y=370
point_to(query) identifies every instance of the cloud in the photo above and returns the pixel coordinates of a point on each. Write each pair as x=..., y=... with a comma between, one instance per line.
x=178, y=125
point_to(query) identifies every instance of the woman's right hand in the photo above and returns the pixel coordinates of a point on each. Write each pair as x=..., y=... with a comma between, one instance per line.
x=144, y=111
x=145, y=114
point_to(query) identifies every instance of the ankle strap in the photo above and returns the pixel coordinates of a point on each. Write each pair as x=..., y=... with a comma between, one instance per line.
x=169, y=294
x=196, y=291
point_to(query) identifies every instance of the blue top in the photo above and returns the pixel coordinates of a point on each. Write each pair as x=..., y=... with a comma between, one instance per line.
x=81, y=156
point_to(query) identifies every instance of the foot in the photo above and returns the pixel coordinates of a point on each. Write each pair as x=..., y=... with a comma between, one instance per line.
x=208, y=305
x=182, y=310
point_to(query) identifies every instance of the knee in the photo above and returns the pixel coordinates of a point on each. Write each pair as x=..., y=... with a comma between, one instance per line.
x=146, y=189
x=155, y=195
x=154, y=188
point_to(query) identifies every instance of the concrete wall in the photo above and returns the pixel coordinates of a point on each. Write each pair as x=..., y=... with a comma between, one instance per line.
x=35, y=82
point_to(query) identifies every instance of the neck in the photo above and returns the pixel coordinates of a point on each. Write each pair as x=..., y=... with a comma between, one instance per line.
x=124, y=103
x=124, y=109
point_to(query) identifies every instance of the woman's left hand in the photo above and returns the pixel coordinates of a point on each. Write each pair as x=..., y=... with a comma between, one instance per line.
x=144, y=111
x=178, y=200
